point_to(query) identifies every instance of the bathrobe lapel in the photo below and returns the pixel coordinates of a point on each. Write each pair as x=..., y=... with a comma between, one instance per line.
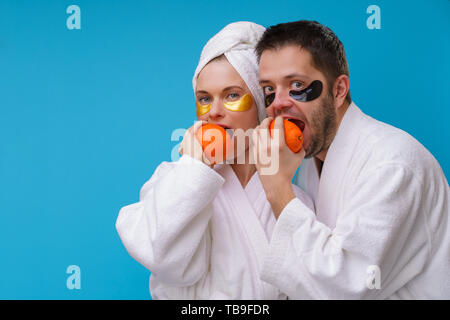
x=244, y=209
x=247, y=206
x=335, y=167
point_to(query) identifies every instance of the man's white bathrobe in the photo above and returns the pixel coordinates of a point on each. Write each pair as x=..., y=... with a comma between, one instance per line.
x=200, y=233
x=381, y=203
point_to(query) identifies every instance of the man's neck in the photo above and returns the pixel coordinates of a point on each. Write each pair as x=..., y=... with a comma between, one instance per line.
x=319, y=165
x=319, y=159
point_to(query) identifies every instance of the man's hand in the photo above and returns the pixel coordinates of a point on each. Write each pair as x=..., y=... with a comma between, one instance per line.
x=276, y=163
x=191, y=146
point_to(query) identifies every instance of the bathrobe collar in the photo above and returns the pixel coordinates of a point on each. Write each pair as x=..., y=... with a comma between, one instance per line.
x=336, y=165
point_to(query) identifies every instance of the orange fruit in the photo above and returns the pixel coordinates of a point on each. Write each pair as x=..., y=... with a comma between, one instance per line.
x=292, y=135
x=215, y=142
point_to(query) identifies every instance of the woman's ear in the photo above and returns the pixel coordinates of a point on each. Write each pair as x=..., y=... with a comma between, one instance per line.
x=340, y=90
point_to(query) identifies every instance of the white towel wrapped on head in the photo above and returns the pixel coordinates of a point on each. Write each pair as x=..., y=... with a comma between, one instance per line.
x=237, y=42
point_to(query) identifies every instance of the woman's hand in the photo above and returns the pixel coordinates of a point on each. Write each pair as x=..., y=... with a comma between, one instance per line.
x=191, y=146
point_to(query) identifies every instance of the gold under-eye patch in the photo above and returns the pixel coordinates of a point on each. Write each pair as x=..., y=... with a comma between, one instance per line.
x=243, y=104
x=202, y=109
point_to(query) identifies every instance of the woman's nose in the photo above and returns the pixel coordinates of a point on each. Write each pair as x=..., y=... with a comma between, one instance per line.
x=217, y=110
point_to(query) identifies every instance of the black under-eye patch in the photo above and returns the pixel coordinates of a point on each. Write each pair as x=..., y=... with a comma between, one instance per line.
x=312, y=92
x=269, y=99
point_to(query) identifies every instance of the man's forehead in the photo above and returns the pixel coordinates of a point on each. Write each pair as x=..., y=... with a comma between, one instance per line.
x=287, y=62
x=287, y=50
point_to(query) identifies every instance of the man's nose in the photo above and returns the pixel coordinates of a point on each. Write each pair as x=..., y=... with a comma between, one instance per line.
x=280, y=104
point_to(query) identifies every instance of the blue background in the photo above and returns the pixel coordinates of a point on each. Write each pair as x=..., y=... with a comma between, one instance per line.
x=87, y=115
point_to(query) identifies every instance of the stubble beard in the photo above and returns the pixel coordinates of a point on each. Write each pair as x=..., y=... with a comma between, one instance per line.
x=324, y=126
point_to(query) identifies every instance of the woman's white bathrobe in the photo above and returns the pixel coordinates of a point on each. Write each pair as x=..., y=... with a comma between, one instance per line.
x=381, y=204
x=200, y=233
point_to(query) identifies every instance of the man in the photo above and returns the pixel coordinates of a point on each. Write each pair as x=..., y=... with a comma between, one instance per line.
x=381, y=223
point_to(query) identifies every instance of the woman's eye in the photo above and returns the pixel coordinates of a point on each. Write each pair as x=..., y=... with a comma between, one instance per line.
x=268, y=90
x=296, y=85
x=204, y=100
x=233, y=96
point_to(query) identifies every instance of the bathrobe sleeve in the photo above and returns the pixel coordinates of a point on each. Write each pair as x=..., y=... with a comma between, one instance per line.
x=166, y=231
x=308, y=260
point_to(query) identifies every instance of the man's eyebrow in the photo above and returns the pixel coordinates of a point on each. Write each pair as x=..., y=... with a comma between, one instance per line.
x=201, y=92
x=296, y=75
x=289, y=76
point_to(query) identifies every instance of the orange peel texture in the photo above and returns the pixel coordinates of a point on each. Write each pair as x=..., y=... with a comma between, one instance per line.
x=215, y=142
x=292, y=135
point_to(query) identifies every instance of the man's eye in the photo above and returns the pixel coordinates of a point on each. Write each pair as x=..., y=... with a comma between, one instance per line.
x=268, y=90
x=296, y=85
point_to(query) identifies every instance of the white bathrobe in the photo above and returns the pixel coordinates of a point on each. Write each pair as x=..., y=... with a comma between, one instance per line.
x=381, y=204
x=200, y=233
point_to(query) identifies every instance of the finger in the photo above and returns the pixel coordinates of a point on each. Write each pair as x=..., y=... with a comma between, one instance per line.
x=184, y=141
x=197, y=148
x=264, y=147
x=264, y=129
x=254, y=146
x=197, y=125
x=279, y=124
x=187, y=133
x=266, y=123
x=188, y=144
x=206, y=160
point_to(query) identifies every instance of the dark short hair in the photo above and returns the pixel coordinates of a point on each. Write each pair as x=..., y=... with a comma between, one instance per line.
x=320, y=41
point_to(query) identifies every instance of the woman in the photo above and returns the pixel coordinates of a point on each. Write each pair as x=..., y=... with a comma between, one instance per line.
x=203, y=229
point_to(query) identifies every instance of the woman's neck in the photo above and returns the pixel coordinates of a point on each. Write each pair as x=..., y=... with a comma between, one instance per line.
x=244, y=172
